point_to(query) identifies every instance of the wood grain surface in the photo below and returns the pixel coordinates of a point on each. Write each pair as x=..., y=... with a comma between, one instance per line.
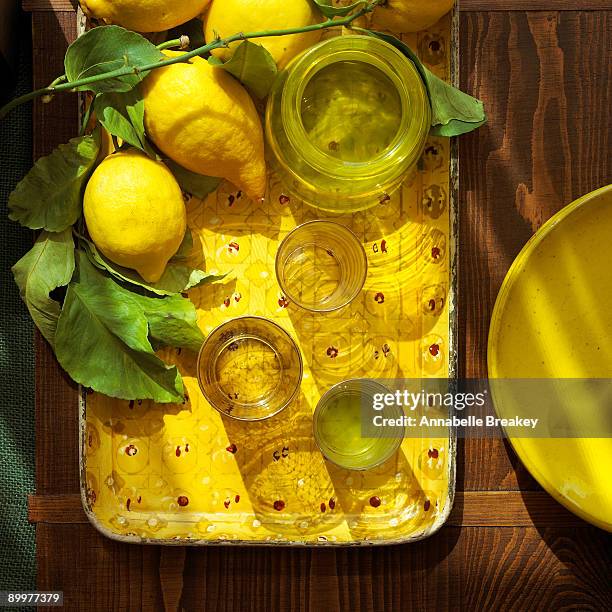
x=512, y=5
x=464, y=5
x=468, y=568
x=546, y=79
x=56, y=395
x=49, y=5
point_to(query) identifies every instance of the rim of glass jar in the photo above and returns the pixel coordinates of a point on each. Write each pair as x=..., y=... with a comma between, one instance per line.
x=293, y=393
x=317, y=414
x=377, y=53
x=283, y=286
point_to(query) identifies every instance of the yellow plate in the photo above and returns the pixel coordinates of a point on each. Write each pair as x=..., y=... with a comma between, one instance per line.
x=552, y=319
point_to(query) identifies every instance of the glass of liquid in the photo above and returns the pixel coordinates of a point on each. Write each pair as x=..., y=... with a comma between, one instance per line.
x=342, y=415
x=249, y=368
x=345, y=122
x=321, y=266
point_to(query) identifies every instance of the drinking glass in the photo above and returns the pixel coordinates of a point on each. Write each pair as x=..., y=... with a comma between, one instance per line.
x=249, y=368
x=321, y=266
x=338, y=430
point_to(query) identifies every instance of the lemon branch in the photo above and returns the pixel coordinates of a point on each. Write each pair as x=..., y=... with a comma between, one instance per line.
x=60, y=84
x=182, y=43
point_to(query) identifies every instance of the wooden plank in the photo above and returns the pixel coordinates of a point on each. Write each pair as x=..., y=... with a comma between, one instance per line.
x=56, y=509
x=533, y=5
x=472, y=508
x=49, y=5
x=171, y=571
x=95, y=573
x=472, y=568
x=464, y=5
x=56, y=395
x=546, y=80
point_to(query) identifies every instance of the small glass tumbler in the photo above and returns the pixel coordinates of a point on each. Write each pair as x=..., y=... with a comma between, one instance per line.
x=249, y=368
x=338, y=426
x=321, y=266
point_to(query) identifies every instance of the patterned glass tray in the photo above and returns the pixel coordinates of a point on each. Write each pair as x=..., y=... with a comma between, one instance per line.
x=182, y=474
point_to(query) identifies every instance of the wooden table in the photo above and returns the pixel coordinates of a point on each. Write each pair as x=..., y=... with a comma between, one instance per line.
x=544, y=70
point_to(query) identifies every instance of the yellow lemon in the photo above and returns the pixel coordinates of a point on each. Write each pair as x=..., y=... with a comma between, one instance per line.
x=144, y=15
x=205, y=120
x=227, y=17
x=135, y=212
x=409, y=15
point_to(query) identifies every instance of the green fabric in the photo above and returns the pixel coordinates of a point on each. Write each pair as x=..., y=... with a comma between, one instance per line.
x=17, y=537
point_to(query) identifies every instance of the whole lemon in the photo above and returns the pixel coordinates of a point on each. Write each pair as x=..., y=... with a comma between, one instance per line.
x=135, y=212
x=409, y=15
x=204, y=119
x=144, y=15
x=227, y=17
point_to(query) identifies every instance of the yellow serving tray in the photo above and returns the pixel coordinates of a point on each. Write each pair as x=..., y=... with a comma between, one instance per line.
x=184, y=474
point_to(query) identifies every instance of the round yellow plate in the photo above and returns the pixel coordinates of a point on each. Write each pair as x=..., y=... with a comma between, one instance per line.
x=553, y=319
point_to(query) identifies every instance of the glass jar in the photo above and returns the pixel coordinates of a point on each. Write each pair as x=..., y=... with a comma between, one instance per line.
x=345, y=121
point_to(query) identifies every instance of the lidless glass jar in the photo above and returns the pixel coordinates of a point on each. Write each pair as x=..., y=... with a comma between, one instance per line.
x=345, y=121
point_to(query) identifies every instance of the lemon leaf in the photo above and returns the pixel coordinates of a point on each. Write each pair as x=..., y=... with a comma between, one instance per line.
x=48, y=265
x=122, y=114
x=197, y=185
x=173, y=321
x=453, y=112
x=178, y=277
x=329, y=10
x=50, y=195
x=186, y=248
x=105, y=49
x=102, y=340
x=252, y=65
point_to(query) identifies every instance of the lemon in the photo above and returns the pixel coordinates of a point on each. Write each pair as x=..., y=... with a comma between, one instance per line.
x=409, y=15
x=204, y=119
x=144, y=15
x=227, y=17
x=135, y=212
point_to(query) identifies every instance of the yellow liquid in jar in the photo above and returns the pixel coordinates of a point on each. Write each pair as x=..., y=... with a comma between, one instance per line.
x=351, y=110
x=345, y=122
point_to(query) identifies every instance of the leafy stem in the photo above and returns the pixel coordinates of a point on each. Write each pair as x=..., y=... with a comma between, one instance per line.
x=182, y=43
x=60, y=84
x=86, y=118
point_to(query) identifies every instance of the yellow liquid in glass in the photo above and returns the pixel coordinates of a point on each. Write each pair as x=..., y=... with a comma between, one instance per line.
x=351, y=110
x=339, y=433
x=340, y=426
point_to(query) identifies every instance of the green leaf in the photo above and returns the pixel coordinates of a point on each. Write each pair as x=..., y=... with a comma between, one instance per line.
x=172, y=321
x=453, y=111
x=329, y=10
x=177, y=278
x=186, y=248
x=252, y=65
x=102, y=341
x=47, y=266
x=197, y=185
x=105, y=49
x=50, y=195
x=122, y=114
